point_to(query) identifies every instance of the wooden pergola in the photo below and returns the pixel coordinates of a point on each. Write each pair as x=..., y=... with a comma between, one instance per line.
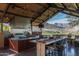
x=37, y=12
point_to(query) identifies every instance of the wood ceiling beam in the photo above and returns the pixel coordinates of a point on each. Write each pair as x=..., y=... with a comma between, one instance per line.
x=64, y=5
x=50, y=17
x=16, y=14
x=69, y=14
x=77, y=5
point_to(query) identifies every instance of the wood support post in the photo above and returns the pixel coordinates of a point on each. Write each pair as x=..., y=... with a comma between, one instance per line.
x=40, y=48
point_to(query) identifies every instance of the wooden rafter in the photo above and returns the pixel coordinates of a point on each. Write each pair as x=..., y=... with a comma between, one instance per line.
x=48, y=17
x=77, y=5
x=40, y=14
x=70, y=14
x=64, y=5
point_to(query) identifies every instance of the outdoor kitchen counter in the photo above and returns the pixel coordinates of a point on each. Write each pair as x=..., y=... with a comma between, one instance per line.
x=41, y=44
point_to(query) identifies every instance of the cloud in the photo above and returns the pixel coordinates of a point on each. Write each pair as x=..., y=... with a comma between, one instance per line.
x=58, y=21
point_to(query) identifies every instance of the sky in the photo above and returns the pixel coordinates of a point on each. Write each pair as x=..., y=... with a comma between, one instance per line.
x=58, y=18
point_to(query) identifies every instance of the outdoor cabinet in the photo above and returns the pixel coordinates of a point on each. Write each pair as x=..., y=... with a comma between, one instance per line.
x=18, y=45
